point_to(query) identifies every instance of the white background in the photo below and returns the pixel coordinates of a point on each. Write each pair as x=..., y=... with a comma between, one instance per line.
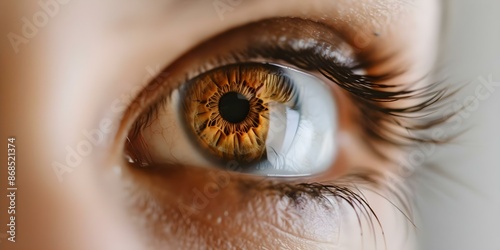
x=458, y=188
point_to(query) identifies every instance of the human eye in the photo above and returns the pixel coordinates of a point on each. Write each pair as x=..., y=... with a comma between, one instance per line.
x=270, y=120
x=278, y=126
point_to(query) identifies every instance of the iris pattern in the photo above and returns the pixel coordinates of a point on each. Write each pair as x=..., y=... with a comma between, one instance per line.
x=228, y=109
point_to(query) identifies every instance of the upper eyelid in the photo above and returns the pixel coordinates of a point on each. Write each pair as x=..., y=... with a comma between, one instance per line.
x=320, y=33
x=170, y=78
x=319, y=38
x=259, y=34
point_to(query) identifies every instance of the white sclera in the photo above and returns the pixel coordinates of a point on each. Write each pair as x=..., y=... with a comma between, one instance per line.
x=301, y=138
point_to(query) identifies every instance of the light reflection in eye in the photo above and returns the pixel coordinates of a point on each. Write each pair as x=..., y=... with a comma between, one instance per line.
x=271, y=119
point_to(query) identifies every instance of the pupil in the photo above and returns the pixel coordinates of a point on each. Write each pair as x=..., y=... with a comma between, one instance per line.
x=234, y=107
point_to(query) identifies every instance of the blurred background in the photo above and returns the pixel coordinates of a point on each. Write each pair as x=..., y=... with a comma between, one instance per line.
x=458, y=189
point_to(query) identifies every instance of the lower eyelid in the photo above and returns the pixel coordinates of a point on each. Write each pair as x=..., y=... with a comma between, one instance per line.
x=300, y=210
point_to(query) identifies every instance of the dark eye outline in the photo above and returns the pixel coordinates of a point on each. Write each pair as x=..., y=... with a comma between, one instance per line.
x=367, y=91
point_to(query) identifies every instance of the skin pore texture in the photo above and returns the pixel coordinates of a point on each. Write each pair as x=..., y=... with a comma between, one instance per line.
x=94, y=58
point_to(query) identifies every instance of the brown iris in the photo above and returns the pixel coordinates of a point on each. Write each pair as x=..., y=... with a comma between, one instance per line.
x=227, y=109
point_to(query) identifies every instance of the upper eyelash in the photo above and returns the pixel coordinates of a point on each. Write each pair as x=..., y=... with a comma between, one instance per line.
x=364, y=87
x=370, y=95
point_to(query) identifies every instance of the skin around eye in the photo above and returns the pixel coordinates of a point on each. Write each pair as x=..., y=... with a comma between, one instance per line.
x=82, y=69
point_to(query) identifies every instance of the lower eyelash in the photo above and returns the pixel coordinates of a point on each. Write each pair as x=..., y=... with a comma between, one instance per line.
x=322, y=194
x=347, y=189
